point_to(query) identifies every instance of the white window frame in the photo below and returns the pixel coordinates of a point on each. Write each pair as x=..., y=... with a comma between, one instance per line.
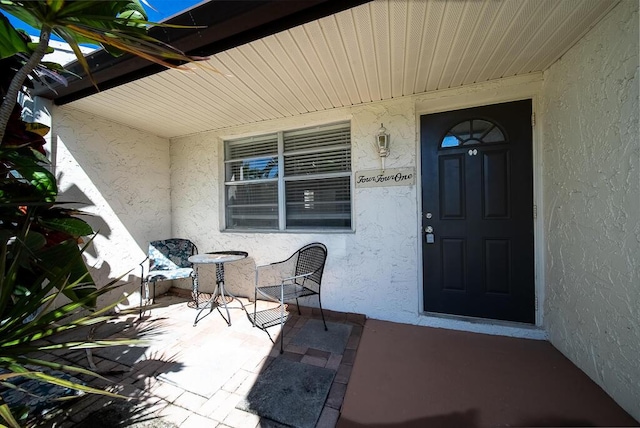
x=282, y=180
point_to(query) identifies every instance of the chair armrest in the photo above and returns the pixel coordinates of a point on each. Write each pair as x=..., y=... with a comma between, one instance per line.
x=268, y=290
x=291, y=278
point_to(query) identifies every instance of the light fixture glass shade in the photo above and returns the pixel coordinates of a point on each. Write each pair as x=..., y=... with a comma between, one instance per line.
x=382, y=142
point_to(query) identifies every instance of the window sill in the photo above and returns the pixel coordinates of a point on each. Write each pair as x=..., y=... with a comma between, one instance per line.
x=292, y=231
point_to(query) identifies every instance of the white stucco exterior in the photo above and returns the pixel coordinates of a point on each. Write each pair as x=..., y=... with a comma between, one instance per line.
x=121, y=174
x=375, y=269
x=372, y=270
x=586, y=187
x=592, y=205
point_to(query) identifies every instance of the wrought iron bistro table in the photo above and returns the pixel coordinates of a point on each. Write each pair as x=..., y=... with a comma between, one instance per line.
x=219, y=258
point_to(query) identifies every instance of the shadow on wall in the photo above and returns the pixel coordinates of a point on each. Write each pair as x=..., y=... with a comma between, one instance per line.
x=119, y=171
x=75, y=198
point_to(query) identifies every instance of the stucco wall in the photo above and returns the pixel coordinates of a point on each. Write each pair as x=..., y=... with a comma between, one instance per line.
x=370, y=271
x=121, y=174
x=592, y=205
x=374, y=270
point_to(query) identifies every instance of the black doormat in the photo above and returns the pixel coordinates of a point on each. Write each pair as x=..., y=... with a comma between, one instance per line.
x=313, y=335
x=290, y=393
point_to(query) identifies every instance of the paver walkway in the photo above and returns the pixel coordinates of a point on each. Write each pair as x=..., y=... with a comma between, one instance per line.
x=190, y=376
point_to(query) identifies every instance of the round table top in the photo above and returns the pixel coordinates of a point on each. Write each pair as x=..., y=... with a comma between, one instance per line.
x=218, y=257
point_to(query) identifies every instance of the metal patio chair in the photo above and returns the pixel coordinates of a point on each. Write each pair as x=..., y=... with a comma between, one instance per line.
x=168, y=260
x=300, y=275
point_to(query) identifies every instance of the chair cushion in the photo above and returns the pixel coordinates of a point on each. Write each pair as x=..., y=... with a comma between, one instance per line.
x=170, y=254
x=164, y=275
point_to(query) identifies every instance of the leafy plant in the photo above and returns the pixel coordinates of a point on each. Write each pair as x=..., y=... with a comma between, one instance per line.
x=118, y=26
x=40, y=258
x=29, y=317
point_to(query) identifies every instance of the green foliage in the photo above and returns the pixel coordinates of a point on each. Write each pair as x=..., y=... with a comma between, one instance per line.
x=11, y=41
x=40, y=260
x=118, y=26
x=30, y=317
x=39, y=254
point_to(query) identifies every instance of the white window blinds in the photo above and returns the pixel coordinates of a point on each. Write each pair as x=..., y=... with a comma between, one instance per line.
x=302, y=175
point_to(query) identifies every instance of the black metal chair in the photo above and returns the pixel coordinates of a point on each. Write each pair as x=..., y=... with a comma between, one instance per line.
x=168, y=260
x=300, y=275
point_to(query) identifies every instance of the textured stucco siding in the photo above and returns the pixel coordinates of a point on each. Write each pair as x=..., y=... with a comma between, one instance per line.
x=373, y=270
x=592, y=205
x=121, y=174
x=370, y=271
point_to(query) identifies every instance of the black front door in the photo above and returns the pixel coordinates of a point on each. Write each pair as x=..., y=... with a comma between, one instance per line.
x=477, y=212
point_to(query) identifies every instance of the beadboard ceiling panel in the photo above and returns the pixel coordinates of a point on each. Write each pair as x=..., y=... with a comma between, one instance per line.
x=380, y=50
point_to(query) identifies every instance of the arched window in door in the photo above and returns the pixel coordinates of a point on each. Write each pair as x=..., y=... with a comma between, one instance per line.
x=473, y=132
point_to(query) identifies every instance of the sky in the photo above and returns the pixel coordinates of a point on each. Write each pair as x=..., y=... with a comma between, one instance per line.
x=156, y=10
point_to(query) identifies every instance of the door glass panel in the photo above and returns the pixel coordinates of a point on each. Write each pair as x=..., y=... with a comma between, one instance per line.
x=494, y=136
x=480, y=128
x=450, y=141
x=473, y=132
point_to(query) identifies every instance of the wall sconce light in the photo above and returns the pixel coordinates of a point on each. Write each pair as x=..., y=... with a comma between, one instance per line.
x=382, y=142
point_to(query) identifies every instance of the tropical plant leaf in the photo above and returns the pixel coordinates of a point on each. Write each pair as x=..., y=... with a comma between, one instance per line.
x=38, y=261
x=33, y=45
x=37, y=128
x=116, y=25
x=73, y=268
x=71, y=225
x=51, y=322
x=31, y=13
x=42, y=180
x=34, y=241
x=29, y=169
x=11, y=41
x=6, y=414
x=39, y=156
x=68, y=384
x=5, y=376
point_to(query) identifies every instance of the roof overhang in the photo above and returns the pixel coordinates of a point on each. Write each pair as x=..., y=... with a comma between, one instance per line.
x=228, y=23
x=284, y=59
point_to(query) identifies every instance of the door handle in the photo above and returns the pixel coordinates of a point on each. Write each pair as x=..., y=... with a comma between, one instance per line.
x=429, y=237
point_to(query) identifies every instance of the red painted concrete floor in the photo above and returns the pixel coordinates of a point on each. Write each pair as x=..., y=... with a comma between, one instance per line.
x=411, y=376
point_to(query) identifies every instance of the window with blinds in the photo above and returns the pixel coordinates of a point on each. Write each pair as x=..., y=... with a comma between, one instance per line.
x=290, y=180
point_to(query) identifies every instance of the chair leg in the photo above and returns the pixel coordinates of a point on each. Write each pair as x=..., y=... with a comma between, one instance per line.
x=322, y=313
x=141, y=291
x=144, y=290
x=298, y=305
x=194, y=289
x=281, y=327
x=255, y=305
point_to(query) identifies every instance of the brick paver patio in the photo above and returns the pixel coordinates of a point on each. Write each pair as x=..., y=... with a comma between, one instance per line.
x=190, y=376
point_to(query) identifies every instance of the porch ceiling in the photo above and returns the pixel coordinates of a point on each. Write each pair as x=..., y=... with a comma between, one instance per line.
x=376, y=51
